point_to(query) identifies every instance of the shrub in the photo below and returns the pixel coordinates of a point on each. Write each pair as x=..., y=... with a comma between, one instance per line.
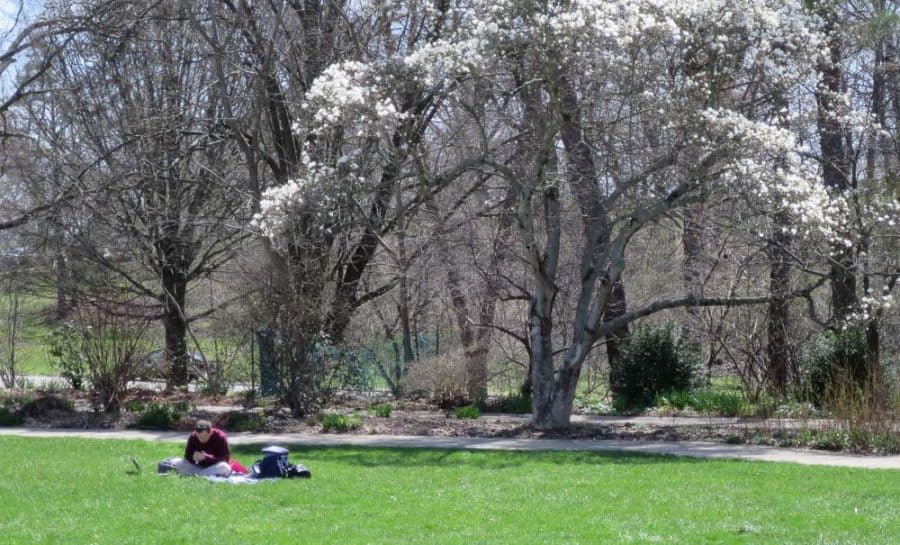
x=830, y=440
x=43, y=406
x=109, y=344
x=64, y=355
x=514, y=404
x=158, y=416
x=240, y=421
x=383, y=410
x=10, y=417
x=341, y=422
x=469, y=411
x=838, y=360
x=442, y=377
x=652, y=362
x=886, y=442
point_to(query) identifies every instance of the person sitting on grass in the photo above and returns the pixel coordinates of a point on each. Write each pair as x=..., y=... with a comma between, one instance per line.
x=207, y=452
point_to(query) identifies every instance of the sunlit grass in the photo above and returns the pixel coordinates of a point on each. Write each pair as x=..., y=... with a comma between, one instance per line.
x=85, y=491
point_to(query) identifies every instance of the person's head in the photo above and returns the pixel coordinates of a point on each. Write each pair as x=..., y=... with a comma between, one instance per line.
x=203, y=429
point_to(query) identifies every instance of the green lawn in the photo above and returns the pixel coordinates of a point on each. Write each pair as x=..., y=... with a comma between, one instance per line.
x=72, y=491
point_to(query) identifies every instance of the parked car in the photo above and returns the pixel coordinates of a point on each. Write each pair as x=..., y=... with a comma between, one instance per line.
x=153, y=366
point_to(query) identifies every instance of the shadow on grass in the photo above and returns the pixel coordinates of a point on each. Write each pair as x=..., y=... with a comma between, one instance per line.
x=477, y=459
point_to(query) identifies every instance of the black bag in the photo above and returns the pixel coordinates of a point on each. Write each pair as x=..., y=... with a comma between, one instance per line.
x=275, y=465
x=298, y=470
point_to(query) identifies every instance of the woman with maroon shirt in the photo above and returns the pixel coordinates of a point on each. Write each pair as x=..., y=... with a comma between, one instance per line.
x=206, y=453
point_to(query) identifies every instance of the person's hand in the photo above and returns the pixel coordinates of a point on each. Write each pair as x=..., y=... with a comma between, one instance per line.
x=199, y=456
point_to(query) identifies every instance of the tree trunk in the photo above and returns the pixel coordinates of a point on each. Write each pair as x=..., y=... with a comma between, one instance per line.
x=694, y=249
x=617, y=307
x=879, y=112
x=403, y=304
x=175, y=286
x=777, y=350
x=553, y=398
x=62, y=286
x=835, y=160
x=554, y=386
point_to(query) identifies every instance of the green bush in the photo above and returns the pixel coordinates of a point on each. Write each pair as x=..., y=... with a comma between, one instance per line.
x=512, y=404
x=42, y=406
x=64, y=354
x=158, y=416
x=383, y=410
x=341, y=422
x=652, y=362
x=838, y=361
x=469, y=411
x=10, y=417
x=240, y=421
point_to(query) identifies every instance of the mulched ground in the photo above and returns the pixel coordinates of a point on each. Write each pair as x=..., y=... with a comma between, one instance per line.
x=230, y=409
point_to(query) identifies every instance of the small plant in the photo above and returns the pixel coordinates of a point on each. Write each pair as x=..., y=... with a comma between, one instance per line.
x=383, y=410
x=676, y=399
x=337, y=422
x=158, y=416
x=719, y=403
x=470, y=412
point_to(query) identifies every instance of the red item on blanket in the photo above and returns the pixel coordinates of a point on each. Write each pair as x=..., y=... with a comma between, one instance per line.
x=236, y=467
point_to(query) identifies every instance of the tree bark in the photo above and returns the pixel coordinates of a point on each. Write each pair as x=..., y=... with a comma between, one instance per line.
x=694, y=249
x=777, y=319
x=835, y=159
x=175, y=325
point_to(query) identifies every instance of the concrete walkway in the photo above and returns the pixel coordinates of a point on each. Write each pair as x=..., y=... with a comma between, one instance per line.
x=671, y=448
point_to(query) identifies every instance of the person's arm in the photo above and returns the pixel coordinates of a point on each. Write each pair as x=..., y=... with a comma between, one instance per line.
x=217, y=449
x=190, y=448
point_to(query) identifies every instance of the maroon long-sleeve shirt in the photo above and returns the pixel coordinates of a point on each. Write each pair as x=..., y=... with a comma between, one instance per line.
x=216, y=448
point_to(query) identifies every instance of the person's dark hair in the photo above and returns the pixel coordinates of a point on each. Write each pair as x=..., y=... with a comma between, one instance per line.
x=202, y=425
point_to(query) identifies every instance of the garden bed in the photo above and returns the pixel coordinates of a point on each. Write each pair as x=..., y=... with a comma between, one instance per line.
x=178, y=410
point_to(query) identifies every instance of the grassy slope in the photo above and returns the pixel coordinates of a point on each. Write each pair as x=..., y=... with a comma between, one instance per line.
x=33, y=332
x=442, y=497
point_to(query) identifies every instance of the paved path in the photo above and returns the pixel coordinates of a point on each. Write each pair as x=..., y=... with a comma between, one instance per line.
x=684, y=448
x=655, y=421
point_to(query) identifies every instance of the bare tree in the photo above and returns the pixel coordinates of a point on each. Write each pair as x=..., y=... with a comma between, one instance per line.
x=157, y=168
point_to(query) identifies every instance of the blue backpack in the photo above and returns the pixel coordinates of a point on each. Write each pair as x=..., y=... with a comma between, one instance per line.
x=275, y=465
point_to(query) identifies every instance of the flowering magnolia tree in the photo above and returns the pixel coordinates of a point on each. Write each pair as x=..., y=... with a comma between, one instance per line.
x=354, y=172
x=626, y=112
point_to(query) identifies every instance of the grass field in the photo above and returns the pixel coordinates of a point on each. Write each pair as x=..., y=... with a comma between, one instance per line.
x=73, y=491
